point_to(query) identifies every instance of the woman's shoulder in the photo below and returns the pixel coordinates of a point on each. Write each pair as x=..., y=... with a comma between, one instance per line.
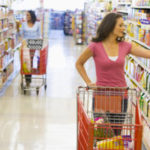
x=95, y=43
x=125, y=42
x=126, y=46
x=94, y=46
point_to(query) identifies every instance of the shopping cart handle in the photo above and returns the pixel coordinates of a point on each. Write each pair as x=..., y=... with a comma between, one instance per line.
x=97, y=88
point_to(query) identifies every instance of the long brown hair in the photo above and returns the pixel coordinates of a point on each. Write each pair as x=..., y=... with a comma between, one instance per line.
x=106, y=27
x=33, y=16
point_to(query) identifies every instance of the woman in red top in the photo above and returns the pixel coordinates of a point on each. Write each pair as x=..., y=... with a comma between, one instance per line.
x=109, y=50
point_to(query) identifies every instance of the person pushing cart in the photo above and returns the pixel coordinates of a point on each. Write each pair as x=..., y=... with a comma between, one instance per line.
x=109, y=49
x=33, y=53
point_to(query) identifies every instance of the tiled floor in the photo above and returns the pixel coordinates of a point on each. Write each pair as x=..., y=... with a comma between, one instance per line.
x=47, y=121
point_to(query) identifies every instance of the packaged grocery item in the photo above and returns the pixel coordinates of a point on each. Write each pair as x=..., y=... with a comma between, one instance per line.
x=102, y=129
x=26, y=66
x=113, y=143
x=141, y=101
x=148, y=83
x=147, y=37
x=143, y=80
x=145, y=106
x=149, y=110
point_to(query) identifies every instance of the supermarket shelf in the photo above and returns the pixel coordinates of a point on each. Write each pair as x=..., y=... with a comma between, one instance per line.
x=141, y=88
x=144, y=91
x=5, y=51
x=6, y=64
x=139, y=42
x=4, y=30
x=3, y=18
x=124, y=3
x=145, y=119
x=134, y=22
x=3, y=5
x=122, y=11
x=141, y=7
x=137, y=24
x=8, y=81
x=18, y=46
x=140, y=63
x=9, y=49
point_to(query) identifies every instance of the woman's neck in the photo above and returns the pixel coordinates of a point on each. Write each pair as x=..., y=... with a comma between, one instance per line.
x=30, y=22
x=111, y=39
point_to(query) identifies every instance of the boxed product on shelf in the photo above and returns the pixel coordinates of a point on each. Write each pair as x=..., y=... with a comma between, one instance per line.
x=142, y=2
x=149, y=110
x=144, y=104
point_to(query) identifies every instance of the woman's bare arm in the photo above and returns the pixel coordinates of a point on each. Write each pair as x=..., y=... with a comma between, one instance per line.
x=140, y=51
x=80, y=65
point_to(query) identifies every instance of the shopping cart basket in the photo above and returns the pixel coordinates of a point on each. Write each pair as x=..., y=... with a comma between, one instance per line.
x=34, y=62
x=108, y=118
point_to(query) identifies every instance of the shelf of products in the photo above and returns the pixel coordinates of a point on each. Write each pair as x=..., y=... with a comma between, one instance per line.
x=78, y=28
x=8, y=41
x=138, y=69
x=141, y=4
x=94, y=13
x=46, y=25
x=68, y=16
x=124, y=8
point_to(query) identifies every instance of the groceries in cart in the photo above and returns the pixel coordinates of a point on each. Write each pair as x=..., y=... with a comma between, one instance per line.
x=26, y=66
x=117, y=143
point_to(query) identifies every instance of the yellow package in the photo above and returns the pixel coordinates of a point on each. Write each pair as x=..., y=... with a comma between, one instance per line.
x=114, y=143
x=25, y=68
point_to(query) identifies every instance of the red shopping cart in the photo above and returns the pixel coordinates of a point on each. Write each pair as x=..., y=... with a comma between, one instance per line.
x=108, y=118
x=34, y=63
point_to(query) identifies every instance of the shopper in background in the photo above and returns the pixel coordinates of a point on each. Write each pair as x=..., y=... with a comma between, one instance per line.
x=31, y=29
x=109, y=50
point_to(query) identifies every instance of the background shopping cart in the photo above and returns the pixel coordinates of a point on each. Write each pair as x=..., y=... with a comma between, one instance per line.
x=34, y=62
x=108, y=119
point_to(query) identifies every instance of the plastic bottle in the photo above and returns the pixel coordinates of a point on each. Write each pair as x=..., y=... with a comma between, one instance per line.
x=141, y=102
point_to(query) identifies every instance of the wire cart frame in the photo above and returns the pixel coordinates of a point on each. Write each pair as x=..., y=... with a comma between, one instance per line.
x=38, y=47
x=119, y=126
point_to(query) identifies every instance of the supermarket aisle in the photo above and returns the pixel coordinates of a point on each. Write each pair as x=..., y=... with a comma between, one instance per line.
x=46, y=122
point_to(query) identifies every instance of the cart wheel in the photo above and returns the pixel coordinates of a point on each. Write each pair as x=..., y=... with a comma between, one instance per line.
x=24, y=91
x=37, y=91
x=45, y=87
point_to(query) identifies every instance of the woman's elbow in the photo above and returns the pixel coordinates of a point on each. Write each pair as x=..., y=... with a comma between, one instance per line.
x=78, y=65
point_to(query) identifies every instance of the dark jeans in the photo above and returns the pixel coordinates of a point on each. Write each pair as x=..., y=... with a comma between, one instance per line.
x=29, y=77
x=114, y=118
